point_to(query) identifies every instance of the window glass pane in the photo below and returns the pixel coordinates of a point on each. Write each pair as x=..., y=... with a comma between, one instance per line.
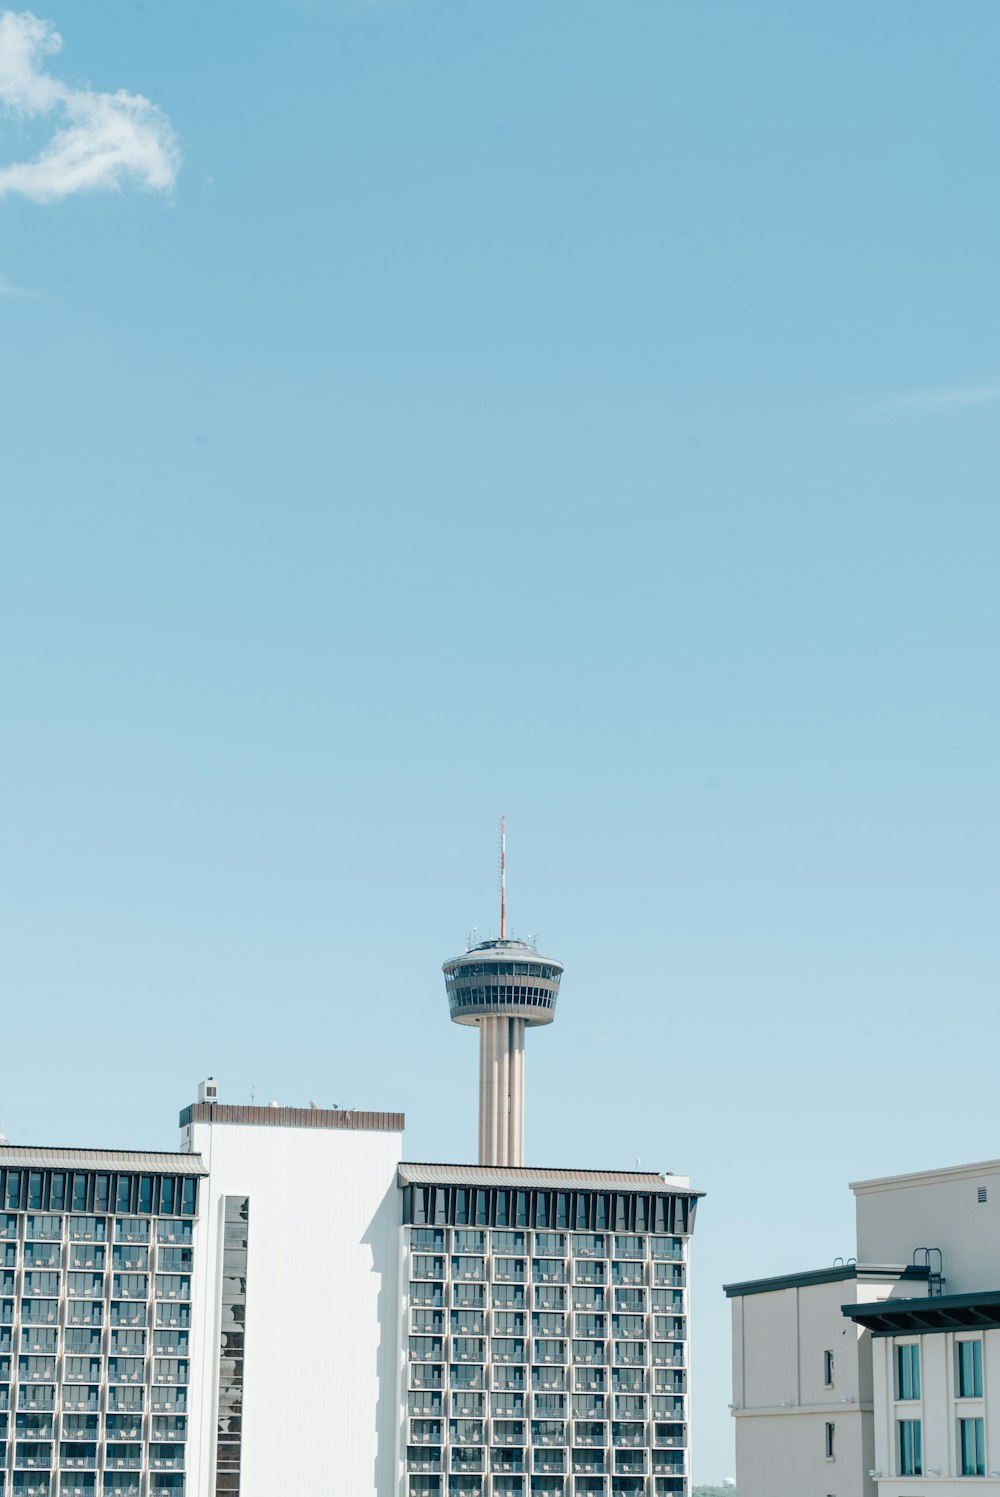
x=908, y=1371
x=971, y=1447
x=970, y=1369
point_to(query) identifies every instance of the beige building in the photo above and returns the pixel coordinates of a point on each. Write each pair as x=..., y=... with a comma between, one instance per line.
x=936, y=1372
x=802, y=1382
x=868, y=1381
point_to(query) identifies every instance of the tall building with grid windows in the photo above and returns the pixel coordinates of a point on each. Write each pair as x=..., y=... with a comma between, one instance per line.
x=545, y=1351
x=96, y=1321
x=285, y=1306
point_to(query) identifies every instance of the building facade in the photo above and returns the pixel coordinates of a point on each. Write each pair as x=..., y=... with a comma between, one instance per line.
x=936, y=1357
x=546, y=1348
x=925, y=1340
x=284, y=1306
x=803, y=1382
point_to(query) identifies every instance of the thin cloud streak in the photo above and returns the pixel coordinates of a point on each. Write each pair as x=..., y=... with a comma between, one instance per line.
x=19, y=293
x=102, y=140
x=934, y=402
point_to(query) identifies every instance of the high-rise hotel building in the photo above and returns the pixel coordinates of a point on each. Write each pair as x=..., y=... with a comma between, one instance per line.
x=286, y=1308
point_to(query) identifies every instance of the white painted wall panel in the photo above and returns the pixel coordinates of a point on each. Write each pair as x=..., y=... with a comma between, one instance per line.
x=320, y=1398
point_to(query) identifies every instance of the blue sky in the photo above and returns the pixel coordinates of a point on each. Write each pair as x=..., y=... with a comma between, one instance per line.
x=587, y=412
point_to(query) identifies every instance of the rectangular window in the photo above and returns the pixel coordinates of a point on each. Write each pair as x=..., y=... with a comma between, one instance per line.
x=970, y=1369
x=908, y=1371
x=971, y=1446
x=829, y=1439
x=910, y=1456
x=828, y=1369
x=228, y=1451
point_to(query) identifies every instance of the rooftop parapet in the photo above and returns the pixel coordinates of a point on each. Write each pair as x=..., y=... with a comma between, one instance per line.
x=292, y=1117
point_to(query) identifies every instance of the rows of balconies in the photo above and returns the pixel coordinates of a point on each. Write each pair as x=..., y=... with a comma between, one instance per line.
x=578, y=1460
x=506, y=1321
x=502, y=1430
x=25, y=1483
x=539, y=1243
x=88, y=1341
x=73, y=1313
x=437, y=1292
x=49, y=1284
x=438, y=1267
x=56, y=1226
x=512, y=1377
x=76, y=1428
x=53, y=1257
x=430, y=1404
x=547, y=1351
x=500, y=1484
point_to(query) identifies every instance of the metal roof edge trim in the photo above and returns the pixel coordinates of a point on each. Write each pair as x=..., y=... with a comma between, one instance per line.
x=413, y=1173
x=350, y=1120
x=834, y=1274
x=164, y=1163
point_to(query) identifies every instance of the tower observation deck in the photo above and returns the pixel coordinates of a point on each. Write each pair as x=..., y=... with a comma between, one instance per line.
x=503, y=987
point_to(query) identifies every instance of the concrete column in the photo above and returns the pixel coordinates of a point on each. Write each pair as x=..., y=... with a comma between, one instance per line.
x=515, y=1117
x=502, y=1101
x=501, y=1090
x=487, y=1091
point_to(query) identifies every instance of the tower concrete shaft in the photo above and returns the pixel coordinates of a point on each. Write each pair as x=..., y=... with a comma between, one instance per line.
x=501, y=1090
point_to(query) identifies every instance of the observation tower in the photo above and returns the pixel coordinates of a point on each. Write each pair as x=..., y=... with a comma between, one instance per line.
x=504, y=987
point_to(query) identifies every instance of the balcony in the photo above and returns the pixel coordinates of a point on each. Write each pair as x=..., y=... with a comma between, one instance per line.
x=118, y=1458
x=549, y=1462
x=131, y=1231
x=169, y=1458
x=506, y=1460
x=32, y=1457
x=588, y=1462
x=125, y=1400
x=77, y=1461
x=79, y=1400
x=590, y=1436
x=428, y=1459
x=169, y=1400
x=467, y=1460
x=630, y=1462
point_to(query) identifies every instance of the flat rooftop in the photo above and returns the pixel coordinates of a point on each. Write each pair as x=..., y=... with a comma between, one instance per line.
x=834, y=1273
x=524, y=1178
x=22, y=1156
x=353, y=1119
x=926, y=1177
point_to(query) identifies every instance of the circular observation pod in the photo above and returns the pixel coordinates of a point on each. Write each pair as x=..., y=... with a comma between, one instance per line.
x=502, y=979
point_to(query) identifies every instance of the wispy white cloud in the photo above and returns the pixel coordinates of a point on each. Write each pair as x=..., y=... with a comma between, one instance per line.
x=101, y=140
x=7, y=288
x=934, y=402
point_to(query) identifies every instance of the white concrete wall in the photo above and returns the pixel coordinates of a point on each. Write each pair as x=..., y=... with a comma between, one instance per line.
x=781, y=1403
x=782, y=1456
x=938, y=1208
x=938, y=1410
x=320, y=1395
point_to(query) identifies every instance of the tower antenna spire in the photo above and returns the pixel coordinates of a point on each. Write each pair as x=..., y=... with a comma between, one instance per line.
x=503, y=878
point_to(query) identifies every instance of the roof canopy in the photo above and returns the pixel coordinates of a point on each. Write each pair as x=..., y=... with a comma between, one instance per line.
x=933, y=1314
